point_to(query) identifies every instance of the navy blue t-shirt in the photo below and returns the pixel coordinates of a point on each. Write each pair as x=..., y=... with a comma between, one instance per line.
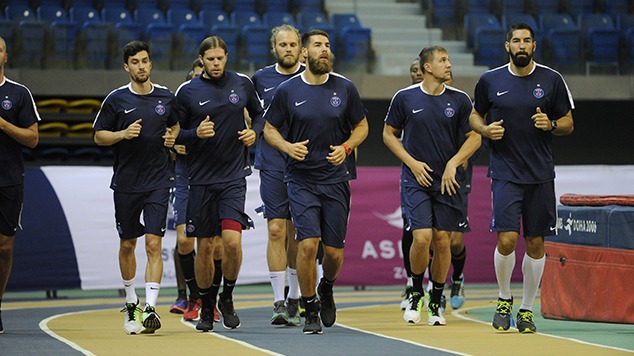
x=142, y=164
x=434, y=128
x=265, y=81
x=18, y=108
x=325, y=114
x=222, y=158
x=524, y=154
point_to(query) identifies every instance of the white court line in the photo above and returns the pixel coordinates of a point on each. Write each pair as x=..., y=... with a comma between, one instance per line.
x=44, y=326
x=390, y=337
x=232, y=340
x=458, y=314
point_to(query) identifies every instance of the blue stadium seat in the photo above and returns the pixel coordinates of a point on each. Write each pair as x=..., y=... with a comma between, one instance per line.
x=160, y=37
x=542, y=7
x=443, y=13
x=550, y=21
x=508, y=7
x=123, y=32
x=20, y=12
x=212, y=5
x=476, y=6
x=277, y=18
x=94, y=45
x=63, y=45
x=180, y=16
x=8, y=30
x=475, y=21
x=277, y=5
x=189, y=37
x=354, y=44
x=489, y=47
x=601, y=40
x=214, y=17
x=308, y=20
x=32, y=36
x=147, y=16
x=578, y=7
x=255, y=44
x=341, y=20
x=614, y=7
x=51, y=13
x=308, y=5
x=184, y=4
x=242, y=5
x=82, y=14
x=562, y=40
x=115, y=15
x=245, y=18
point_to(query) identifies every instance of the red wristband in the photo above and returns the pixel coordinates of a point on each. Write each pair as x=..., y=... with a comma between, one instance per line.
x=348, y=149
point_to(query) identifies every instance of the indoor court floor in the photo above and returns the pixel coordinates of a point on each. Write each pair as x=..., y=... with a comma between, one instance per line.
x=369, y=322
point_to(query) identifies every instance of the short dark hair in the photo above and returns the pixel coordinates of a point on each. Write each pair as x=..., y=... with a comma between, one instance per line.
x=519, y=26
x=211, y=43
x=197, y=63
x=134, y=47
x=316, y=32
x=426, y=54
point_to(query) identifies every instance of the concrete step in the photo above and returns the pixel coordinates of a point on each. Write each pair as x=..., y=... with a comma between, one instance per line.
x=372, y=8
x=403, y=60
x=414, y=35
x=398, y=21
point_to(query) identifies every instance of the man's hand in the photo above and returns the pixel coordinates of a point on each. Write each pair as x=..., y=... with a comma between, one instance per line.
x=206, y=128
x=337, y=156
x=133, y=131
x=169, y=137
x=297, y=150
x=247, y=136
x=541, y=120
x=421, y=172
x=494, y=130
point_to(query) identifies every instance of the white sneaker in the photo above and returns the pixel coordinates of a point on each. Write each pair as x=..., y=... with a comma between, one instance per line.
x=132, y=319
x=434, y=315
x=414, y=308
x=406, y=294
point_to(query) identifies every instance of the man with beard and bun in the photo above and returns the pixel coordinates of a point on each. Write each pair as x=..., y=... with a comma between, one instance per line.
x=18, y=127
x=139, y=121
x=433, y=119
x=281, y=252
x=326, y=121
x=519, y=107
x=218, y=139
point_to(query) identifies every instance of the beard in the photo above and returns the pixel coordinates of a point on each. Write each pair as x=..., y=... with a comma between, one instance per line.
x=318, y=67
x=141, y=79
x=287, y=62
x=522, y=61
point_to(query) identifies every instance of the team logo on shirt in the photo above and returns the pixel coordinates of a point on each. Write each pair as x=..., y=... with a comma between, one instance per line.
x=234, y=98
x=450, y=112
x=538, y=92
x=335, y=101
x=160, y=109
x=7, y=104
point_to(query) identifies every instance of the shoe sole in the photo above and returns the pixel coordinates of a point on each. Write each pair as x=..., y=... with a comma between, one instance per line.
x=177, y=311
x=205, y=330
x=313, y=332
x=279, y=320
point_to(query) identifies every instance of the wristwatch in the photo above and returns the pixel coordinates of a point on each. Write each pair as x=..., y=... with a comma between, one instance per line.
x=553, y=124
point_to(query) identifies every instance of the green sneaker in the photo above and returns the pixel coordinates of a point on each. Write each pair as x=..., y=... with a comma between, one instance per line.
x=525, y=322
x=292, y=309
x=151, y=320
x=280, y=315
x=502, y=317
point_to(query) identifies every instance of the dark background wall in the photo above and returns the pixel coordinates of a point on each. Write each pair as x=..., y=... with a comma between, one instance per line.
x=604, y=131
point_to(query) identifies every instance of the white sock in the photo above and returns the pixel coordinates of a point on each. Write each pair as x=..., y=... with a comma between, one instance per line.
x=410, y=283
x=320, y=273
x=130, y=292
x=151, y=293
x=532, y=270
x=278, y=282
x=504, y=266
x=293, y=283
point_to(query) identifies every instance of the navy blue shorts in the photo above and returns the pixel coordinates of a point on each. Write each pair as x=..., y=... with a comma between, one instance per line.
x=129, y=206
x=535, y=204
x=181, y=193
x=320, y=210
x=274, y=195
x=11, y=201
x=426, y=209
x=208, y=205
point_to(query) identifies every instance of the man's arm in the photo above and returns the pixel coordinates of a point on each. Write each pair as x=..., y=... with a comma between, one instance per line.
x=109, y=138
x=494, y=131
x=449, y=183
x=391, y=138
x=297, y=151
x=28, y=137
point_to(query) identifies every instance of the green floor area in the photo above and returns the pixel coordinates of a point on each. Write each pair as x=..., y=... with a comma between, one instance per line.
x=615, y=335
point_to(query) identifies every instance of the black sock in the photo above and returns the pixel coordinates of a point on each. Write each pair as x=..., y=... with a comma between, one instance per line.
x=187, y=265
x=458, y=261
x=436, y=292
x=311, y=304
x=227, y=289
x=325, y=286
x=182, y=294
x=205, y=297
x=417, y=283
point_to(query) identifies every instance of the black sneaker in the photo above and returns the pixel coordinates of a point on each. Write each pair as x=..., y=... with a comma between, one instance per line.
x=502, y=316
x=328, y=310
x=206, y=320
x=525, y=322
x=312, y=325
x=230, y=319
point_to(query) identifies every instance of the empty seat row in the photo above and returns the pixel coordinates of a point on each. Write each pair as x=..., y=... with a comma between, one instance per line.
x=562, y=41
